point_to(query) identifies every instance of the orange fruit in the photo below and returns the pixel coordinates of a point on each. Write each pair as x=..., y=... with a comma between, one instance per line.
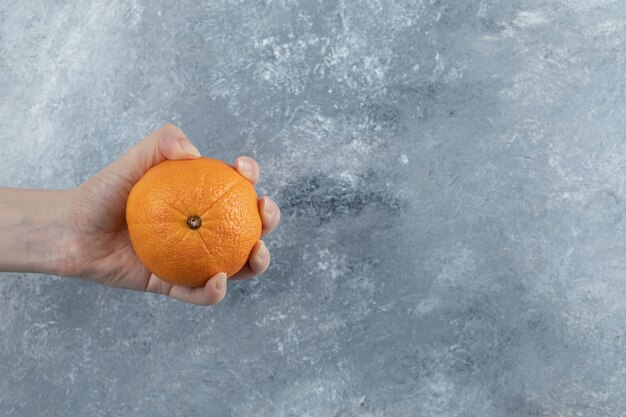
x=189, y=220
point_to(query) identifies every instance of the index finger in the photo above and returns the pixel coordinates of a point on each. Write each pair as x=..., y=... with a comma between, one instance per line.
x=212, y=293
x=248, y=168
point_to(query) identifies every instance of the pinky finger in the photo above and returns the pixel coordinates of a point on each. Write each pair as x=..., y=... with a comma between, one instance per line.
x=212, y=293
x=257, y=263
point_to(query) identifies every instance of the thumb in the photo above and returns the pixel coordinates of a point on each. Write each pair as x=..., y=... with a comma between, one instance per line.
x=167, y=142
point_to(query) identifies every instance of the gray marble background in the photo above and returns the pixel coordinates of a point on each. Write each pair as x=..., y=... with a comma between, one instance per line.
x=452, y=178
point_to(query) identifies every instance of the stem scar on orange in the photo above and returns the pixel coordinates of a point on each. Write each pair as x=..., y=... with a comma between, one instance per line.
x=189, y=220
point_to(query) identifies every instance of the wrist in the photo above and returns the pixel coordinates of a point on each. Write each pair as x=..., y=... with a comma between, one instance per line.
x=35, y=232
x=60, y=245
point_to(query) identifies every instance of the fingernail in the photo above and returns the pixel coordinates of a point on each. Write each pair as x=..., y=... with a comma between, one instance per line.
x=220, y=281
x=245, y=166
x=262, y=254
x=270, y=206
x=188, y=148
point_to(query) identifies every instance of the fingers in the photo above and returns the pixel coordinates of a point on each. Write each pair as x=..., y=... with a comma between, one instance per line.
x=212, y=293
x=257, y=263
x=259, y=259
x=270, y=214
x=248, y=168
x=167, y=142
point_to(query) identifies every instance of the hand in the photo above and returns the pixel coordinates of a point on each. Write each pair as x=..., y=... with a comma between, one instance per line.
x=100, y=249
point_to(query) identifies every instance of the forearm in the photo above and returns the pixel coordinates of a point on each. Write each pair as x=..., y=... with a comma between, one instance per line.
x=33, y=230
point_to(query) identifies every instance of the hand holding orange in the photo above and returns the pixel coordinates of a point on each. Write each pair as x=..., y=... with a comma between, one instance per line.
x=162, y=219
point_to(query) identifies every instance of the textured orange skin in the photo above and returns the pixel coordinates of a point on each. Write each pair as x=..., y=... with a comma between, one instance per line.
x=167, y=195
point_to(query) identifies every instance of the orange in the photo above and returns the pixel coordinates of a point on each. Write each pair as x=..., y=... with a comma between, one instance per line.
x=189, y=220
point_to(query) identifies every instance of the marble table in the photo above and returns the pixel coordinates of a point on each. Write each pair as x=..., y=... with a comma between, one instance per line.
x=452, y=180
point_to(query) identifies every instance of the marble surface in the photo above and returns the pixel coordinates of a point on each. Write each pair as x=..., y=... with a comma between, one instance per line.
x=451, y=175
